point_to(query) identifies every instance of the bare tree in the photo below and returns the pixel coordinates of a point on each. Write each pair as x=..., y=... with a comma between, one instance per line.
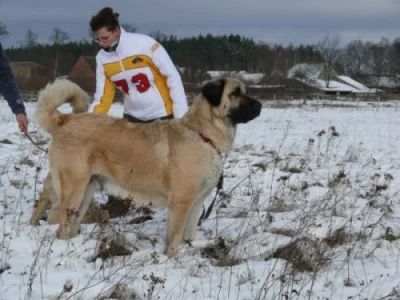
x=30, y=39
x=158, y=35
x=379, y=59
x=58, y=37
x=279, y=61
x=330, y=54
x=395, y=59
x=3, y=30
x=264, y=58
x=355, y=58
x=129, y=27
x=276, y=76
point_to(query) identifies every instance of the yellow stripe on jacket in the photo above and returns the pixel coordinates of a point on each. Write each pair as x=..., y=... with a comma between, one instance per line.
x=107, y=98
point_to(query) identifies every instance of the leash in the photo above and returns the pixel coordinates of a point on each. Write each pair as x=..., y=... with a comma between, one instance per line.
x=33, y=142
x=205, y=214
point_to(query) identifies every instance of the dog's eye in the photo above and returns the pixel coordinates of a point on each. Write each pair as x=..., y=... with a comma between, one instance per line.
x=237, y=92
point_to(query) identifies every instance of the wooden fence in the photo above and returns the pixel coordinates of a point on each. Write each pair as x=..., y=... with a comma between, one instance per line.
x=31, y=96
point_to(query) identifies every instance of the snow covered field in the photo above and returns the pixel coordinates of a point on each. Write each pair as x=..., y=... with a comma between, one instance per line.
x=310, y=209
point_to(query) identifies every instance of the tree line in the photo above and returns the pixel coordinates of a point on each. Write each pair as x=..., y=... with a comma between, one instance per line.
x=198, y=54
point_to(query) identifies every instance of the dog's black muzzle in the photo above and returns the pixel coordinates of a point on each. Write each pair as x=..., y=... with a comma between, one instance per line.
x=248, y=109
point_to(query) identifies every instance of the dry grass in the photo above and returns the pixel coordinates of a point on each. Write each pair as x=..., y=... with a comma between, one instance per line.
x=219, y=255
x=28, y=162
x=117, y=207
x=339, y=178
x=18, y=183
x=6, y=141
x=121, y=292
x=283, y=231
x=339, y=237
x=270, y=205
x=111, y=248
x=303, y=255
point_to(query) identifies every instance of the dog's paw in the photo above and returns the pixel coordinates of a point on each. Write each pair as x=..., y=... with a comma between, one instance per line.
x=104, y=216
x=66, y=233
x=33, y=222
x=171, y=251
x=62, y=235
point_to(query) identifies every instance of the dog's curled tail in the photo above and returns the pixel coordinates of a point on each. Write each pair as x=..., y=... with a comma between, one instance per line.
x=54, y=95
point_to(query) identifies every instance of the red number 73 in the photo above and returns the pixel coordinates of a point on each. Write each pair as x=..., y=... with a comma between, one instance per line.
x=141, y=81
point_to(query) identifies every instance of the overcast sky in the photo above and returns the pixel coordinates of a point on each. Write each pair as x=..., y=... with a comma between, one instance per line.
x=281, y=21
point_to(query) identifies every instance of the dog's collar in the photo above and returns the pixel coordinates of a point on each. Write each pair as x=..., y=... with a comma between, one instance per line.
x=209, y=141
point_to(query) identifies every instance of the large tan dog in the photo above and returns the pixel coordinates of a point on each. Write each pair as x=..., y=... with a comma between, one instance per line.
x=174, y=163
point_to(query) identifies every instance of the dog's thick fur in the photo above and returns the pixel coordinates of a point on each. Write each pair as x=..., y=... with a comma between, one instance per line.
x=174, y=163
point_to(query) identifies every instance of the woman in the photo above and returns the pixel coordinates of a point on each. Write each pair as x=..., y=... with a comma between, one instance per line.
x=140, y=67
x=10, y=91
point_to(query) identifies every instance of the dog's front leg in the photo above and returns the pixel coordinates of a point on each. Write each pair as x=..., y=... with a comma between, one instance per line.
x=191, y=224
x=177, y=217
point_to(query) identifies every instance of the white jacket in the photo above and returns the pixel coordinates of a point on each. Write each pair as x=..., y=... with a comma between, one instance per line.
x=143, y=70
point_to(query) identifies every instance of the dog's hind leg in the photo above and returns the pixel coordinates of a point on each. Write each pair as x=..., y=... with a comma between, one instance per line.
x=95, y=214
x=86, y=201
x=44, y=200
x=71, y=191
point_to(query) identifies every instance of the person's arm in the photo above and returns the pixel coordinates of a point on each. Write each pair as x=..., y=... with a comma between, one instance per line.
x=8, y=86
x=164, y=63
x=105, y=91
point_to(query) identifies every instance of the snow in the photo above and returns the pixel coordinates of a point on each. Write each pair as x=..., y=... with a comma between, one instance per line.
x=311, y=75
x=252, y=78
x=310, y=71
x=359, y=86
x=281, y=184
x=333, y=86
x=388, y=82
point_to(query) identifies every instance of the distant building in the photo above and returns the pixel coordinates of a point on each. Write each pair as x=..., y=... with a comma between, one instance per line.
x=83, y=73
x=326, y=81
x=389, y=83
x=359, y=87
x=31, y=76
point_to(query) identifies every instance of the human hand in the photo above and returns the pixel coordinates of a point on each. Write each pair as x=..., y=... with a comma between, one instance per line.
x=22, y=122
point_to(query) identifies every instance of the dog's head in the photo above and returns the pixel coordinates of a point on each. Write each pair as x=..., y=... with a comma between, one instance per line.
x=229, y=99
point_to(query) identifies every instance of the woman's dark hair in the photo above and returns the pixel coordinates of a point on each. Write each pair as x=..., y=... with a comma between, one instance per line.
x=107, y=18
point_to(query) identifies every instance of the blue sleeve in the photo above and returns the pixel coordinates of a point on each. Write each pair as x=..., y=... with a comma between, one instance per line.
x=8, y=86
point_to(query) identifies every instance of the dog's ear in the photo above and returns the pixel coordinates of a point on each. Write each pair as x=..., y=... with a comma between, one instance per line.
x=213, y=91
